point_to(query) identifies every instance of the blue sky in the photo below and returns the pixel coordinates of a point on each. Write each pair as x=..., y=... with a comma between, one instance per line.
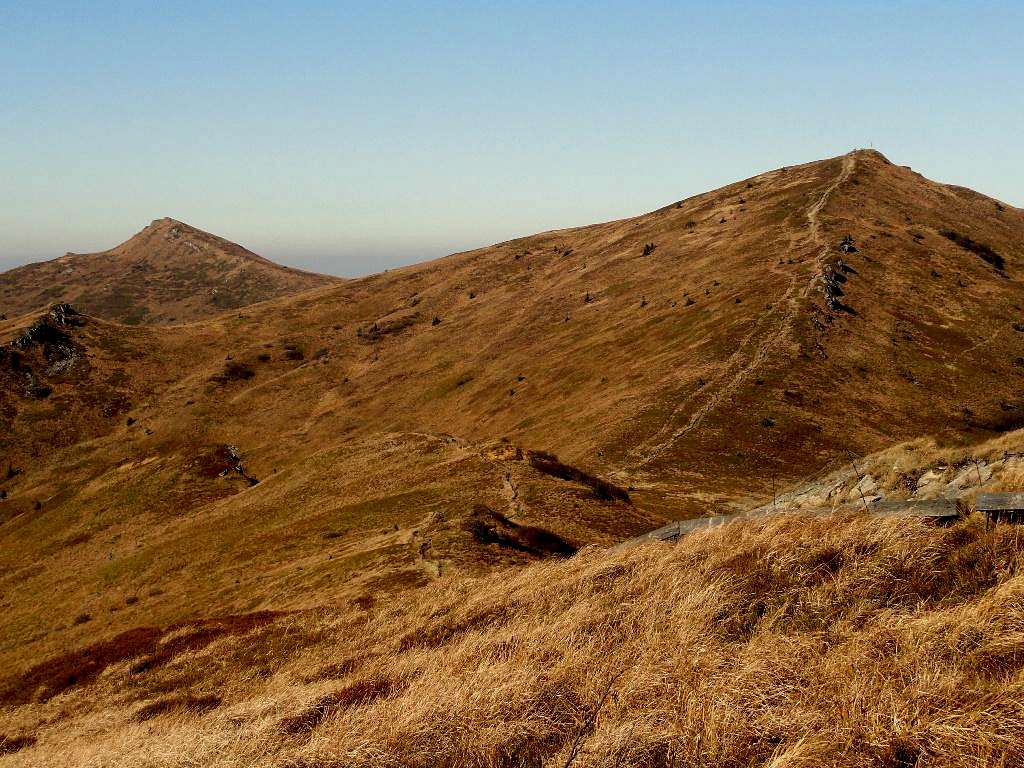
x=350, y=137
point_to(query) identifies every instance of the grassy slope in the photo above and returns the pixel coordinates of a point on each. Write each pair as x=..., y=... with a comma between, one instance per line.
x=792, y=641
x=385, y=418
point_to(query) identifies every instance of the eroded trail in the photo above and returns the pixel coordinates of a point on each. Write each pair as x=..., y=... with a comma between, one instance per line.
x=774, y=328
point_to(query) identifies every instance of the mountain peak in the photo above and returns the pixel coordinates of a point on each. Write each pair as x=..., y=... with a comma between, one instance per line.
x=873, y=154
x=168, y=271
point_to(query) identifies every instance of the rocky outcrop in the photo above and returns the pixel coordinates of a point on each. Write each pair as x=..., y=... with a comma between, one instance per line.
x=834, y=275
x=47, y=342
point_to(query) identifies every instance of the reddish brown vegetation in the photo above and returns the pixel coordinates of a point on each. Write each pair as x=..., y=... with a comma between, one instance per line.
x=80, y=667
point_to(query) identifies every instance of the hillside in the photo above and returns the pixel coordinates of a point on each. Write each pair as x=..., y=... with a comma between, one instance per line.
x=167, y=273
x=794, y=641
x=374, y=442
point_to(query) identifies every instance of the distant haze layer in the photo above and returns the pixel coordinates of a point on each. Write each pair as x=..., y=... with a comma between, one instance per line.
x=348, y=139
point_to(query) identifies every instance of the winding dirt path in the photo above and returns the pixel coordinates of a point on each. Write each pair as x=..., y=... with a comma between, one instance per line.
x=745, y=361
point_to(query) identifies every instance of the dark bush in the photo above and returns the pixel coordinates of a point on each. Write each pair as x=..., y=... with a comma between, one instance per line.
x=40, y=391
x=649, y=248
x=235, y=370
x=550, y=465
x=11, y=744
x=979, y=249
x=490, y=527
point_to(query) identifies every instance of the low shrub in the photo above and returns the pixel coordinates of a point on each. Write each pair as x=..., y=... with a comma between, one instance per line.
x=979, y=249
x=235, y=370
x=550, y=465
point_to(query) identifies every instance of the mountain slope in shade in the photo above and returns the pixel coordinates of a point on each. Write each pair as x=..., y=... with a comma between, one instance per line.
x=688, y=356
x=169, y=272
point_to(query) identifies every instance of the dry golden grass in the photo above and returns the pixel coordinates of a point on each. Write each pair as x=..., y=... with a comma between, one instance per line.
x=788, y=642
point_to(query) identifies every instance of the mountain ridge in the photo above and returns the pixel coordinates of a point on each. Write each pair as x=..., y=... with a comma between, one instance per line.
x=372, y=437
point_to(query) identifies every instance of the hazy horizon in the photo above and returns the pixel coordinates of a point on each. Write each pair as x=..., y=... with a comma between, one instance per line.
x=347, y=140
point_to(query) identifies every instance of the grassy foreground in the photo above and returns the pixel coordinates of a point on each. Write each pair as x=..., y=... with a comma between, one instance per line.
x=787, y=642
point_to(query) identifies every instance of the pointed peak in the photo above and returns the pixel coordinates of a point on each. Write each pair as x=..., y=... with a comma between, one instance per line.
x=871, y=154
x=168, y=224
x=173, y=230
